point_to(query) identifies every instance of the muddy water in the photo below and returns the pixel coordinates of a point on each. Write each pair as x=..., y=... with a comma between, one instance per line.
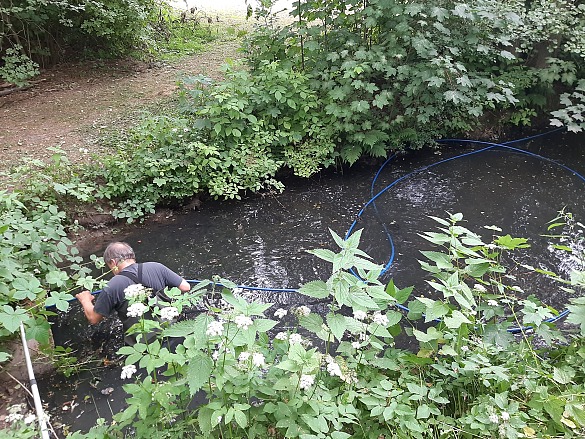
x=261, y=242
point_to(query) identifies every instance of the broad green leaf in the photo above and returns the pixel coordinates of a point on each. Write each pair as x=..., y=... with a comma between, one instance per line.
x=442, y=260
x=59, y=299
x=316, y=423
x=40, y=331
x=313, y=322
x=322, y=253
x=563, y=374
x=198, y=372
x=11, y=318
x=188, y=327
x=456, y=320
x=337, y=325
x=256, y=309
x=423, y=411
x=57, y=278
x=316, y=288
x=435, y=238
x=431, y=335
x=360, y=299
x=577, y=313
x=434, y=309
x=578, y=278
x=264, y=325
x=241, y=418
x=512, y=243
x=204, y=420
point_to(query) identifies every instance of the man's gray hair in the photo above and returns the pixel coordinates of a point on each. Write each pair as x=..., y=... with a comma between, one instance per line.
x=118, y=252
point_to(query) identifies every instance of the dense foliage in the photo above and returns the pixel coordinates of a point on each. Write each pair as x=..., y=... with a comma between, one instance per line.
x=38, y=265
x=295, y=373
x=391, y=74
x=34, y=33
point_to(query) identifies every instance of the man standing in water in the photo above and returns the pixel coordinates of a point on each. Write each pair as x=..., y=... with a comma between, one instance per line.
x=120, y=259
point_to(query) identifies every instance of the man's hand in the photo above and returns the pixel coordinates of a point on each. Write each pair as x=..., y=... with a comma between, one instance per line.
x=85, y=296
x=86, y=300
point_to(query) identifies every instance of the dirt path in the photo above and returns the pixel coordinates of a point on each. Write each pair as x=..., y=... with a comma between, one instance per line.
x=69, y=106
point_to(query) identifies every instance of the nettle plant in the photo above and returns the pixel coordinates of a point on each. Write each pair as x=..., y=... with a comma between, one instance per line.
x=340, y=374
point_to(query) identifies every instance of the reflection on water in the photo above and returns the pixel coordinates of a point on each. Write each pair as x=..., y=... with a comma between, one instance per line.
x=262, y=241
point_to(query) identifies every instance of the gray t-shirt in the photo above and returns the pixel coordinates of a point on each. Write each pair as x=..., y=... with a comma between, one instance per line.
x=154, y=275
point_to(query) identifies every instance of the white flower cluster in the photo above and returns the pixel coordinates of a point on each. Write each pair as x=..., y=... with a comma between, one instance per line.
x=169, y=313
x=359, y=315
x=214, y=328
x=492, y=302
x=480, y=288
x=281, y=336
x=243, y=322
x=136, y=309
x=280, y=313
x=128, y=371
x=135, y=291
x=14, y=417
x=334, y=369
x=306, y=381
x=258, y=359
x=380, y=319
x=303, y=311
x=295, y=339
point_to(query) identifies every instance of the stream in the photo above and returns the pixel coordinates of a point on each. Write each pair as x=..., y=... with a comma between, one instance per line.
x=262, y=241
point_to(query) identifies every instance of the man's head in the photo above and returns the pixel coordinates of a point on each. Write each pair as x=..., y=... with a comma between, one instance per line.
x=116, y=253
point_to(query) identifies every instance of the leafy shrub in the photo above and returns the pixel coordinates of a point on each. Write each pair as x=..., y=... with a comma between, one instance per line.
x=273, y=108
x=17, y=68
x=230, y=138
x=38, y=264
x=43, y=33
x=396, y=74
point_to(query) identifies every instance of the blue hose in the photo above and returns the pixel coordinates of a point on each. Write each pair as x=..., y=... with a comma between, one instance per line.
x=490, y=146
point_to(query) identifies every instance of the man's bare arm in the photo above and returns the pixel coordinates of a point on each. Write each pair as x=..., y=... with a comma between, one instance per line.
x=184, y=287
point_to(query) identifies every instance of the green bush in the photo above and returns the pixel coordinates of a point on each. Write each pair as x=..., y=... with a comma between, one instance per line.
x=38, y=265
x=43, y=33
x=394, y=74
